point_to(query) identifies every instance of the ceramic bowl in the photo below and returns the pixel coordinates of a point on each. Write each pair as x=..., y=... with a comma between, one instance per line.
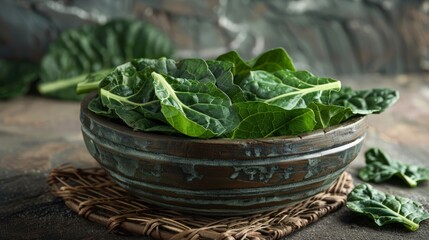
x=221, y=176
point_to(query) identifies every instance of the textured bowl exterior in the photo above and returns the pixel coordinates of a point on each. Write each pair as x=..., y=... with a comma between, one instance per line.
x=221, y=176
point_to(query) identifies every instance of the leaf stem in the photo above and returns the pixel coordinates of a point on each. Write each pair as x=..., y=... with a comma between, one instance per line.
x=407, y=179
x=109, y=95
x=60, y=84
x=410, y=224
x=87, y=87
x=159, y=78
x=90, y=84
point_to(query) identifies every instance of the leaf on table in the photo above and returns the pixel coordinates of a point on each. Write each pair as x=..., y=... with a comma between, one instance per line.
x=260, y=120
x=288, y=89
x=93, y=48
x=379, y=168
x=364, y=101
x=386, y=208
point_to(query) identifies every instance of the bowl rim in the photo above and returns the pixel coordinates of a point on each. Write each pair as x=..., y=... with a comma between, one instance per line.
x=355, y=121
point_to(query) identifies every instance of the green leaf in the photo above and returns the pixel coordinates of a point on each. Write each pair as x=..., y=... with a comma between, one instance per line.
x=222, y=71
x=385, y=208
x=15, y=78
x=260, y=120
x=364, y=101
x=288, y=89
x=128, y=91
x=269, y=61
x=195, y=69
x=379, y=168
x=194, y=108
x=329, y=115
x=93, y=48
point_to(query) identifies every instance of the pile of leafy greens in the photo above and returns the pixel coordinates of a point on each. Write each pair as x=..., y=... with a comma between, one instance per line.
x=380, y=167
x=97, y=48
x=386, y=208
x=228, y=97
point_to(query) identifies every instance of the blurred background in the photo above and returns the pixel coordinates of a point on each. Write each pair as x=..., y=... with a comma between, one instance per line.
x=329, y=37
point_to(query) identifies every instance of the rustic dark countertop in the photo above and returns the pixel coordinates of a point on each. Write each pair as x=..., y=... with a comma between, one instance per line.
x=38, y=134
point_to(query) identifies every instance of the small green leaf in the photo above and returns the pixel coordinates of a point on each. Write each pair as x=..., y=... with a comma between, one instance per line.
x=379, y=168
x=364, y=101
x=386, y=208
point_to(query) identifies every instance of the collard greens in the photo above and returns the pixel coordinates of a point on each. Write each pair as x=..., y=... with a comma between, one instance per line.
x=379, y=168
x=386, y=208
x=97, y=48
x=228, y=97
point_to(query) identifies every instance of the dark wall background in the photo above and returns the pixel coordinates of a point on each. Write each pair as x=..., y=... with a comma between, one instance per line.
x=325, y=36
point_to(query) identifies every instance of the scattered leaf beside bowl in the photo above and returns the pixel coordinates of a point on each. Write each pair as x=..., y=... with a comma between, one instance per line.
x=386, y=208
x=380, y=167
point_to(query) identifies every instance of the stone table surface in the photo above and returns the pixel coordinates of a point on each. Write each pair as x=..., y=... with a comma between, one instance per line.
x=38, y=134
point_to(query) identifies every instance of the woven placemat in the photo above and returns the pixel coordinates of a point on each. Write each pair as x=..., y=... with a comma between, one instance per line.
x=91, y=194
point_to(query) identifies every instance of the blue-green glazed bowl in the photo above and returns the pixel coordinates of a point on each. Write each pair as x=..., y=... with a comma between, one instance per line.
x=221, y=176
